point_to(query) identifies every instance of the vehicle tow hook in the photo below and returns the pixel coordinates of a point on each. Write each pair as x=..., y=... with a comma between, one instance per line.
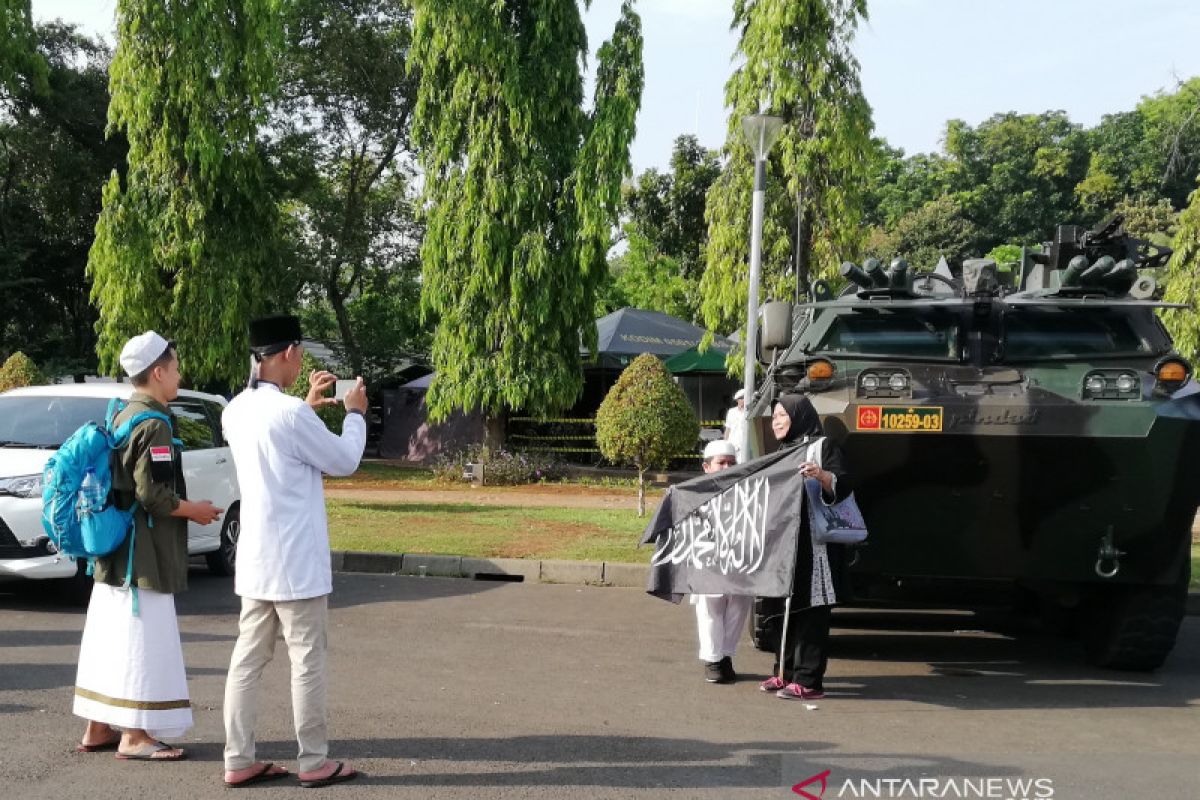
x=1108, y=554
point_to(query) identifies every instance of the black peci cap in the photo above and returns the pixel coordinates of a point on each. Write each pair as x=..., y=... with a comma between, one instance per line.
x=272, y=334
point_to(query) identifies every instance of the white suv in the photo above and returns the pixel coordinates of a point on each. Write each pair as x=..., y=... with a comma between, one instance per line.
x=35, y=420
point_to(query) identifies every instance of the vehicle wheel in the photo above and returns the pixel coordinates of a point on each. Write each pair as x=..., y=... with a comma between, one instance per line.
x=1134, y=628
x=766, y=623
x=76, y=590
x=223, y=560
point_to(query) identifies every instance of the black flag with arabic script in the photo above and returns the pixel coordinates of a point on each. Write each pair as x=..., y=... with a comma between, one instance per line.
x=729, y=532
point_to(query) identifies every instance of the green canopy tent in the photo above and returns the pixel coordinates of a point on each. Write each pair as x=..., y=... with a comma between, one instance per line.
x=704, y=379
x=692, y=360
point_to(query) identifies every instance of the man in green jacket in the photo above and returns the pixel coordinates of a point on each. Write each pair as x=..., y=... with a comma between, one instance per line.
x=131, y=673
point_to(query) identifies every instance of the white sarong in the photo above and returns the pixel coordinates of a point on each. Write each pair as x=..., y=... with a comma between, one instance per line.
x=131, y=671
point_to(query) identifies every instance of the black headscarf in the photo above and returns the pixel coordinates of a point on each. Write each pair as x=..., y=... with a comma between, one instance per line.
x=806, y=423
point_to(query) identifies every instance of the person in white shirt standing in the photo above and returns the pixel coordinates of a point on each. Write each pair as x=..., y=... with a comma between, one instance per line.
x=735, y=421
x=281, y=448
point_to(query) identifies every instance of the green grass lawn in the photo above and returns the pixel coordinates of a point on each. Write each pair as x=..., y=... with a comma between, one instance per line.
x=487, y=531
x=1196, y=566
x=384, y=475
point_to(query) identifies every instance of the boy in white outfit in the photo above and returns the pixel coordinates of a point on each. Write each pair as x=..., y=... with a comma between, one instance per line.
x=720, y=617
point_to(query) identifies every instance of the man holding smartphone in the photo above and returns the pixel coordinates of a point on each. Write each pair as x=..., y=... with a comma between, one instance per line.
x=281, y=449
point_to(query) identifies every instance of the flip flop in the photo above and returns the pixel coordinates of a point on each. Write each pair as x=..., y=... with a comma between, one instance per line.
x=337, y=776
x=111, y=744
x=151, y=752
x=269, y=772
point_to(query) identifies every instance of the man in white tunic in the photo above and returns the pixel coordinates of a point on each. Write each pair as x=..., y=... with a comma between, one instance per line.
x=131, y=676
x=720, y=617
x=735, y=421
x=281, y=448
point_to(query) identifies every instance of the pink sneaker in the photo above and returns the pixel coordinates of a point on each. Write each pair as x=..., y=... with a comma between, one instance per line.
x=794, y=691
x=771, y=684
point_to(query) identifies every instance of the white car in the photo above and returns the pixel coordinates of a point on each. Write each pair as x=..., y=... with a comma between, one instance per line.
x=35, y=420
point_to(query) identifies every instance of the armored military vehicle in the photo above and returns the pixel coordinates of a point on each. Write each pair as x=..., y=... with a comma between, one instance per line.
x=1035, y=431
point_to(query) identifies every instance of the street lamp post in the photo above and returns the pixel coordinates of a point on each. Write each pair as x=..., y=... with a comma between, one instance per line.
x=761, y=132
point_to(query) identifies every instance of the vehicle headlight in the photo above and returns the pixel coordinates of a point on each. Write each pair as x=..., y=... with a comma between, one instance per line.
x=1126, y=383
x=1094, y=384
x=870, y=382
x=898, y=382
x=22, y=486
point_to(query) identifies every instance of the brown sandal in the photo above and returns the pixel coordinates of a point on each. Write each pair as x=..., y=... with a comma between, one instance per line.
x=154, y=751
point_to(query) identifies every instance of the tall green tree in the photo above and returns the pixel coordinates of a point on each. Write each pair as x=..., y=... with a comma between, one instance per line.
x=523, y=187
x=1183, y=282
x=23, y=70
x=642, y=277
x=667, y=209
x=922, y=236
x=342, y=149
x=186, y=243
x=1016, y=174
x=53, y=161
x=796, y=63
x=1149, y=153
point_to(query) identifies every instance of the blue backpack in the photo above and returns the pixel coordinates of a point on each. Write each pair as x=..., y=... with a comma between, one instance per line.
x=78, y=530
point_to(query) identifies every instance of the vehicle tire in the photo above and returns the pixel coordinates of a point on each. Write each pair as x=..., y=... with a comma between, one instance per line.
x=766, y=626
x=76, y=590
x=223, y=560
x=1134, y=627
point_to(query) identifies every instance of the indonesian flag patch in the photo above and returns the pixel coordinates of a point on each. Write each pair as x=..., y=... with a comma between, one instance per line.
x=160, y=454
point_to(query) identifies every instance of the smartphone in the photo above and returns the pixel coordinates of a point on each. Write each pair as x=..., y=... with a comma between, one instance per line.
x=343, y=386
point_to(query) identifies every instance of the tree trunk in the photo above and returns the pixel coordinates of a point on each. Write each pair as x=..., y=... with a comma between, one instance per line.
x=641, y=491
x=495, y=430
x=803, y=248
x=338, y=302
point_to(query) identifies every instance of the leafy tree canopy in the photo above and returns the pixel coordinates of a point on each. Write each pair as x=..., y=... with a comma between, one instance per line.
x=522, y=187
x=187, y=242
x=795, y=62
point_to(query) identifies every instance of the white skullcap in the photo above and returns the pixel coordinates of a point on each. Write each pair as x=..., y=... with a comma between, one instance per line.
x=719, y=447
x=141, y=351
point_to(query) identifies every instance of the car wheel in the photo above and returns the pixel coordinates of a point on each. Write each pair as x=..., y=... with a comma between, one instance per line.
x=223, y=560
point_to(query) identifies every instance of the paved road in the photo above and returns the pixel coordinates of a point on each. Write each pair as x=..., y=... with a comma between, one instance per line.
x=458, y=689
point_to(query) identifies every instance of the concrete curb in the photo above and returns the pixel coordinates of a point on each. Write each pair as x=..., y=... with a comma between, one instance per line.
x=590, y=573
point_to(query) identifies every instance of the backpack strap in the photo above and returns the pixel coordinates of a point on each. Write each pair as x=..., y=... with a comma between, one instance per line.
x=120, y=438
x=114, y=407
x=129, y=562
x=121, y=435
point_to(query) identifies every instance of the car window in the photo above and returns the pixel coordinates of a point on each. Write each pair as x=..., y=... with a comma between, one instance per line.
x=1054, y=333
x=214, y=415
x=195, y=430
x=926, y=335
x=44, y=421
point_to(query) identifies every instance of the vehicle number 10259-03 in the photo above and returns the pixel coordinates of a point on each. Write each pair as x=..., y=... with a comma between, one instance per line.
x=907, y=419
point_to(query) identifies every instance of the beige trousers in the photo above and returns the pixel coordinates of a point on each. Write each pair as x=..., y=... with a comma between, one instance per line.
x=302, y=625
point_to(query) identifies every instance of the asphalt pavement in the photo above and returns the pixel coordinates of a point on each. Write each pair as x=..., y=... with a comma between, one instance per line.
x=450, y=688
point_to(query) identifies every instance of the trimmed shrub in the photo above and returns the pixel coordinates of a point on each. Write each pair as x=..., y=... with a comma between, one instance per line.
x=645, y=420
x=19, y=370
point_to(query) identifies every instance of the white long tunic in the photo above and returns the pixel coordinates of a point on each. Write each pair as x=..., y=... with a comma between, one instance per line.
x=280, y=448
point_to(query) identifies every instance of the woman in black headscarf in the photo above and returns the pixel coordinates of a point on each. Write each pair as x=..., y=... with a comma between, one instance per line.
x=818, y=566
